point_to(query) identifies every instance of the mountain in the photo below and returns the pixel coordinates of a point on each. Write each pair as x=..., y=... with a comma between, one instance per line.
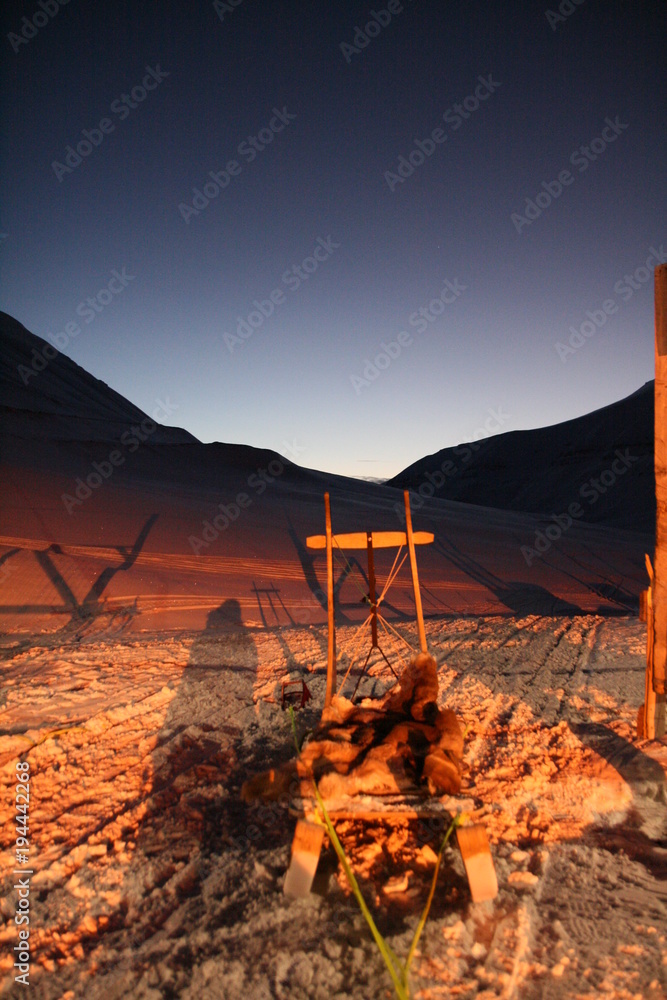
x=43, y=394
x=55, y=415
x=111, y=519
x=602, y=461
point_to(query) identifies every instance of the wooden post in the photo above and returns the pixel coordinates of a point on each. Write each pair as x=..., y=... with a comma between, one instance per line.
x=371, y=589
x=647, y=728
x=415, y=577
x=331, y=643
x=655, y=719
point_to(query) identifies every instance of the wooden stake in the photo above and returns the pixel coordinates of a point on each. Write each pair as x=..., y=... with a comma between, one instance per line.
x=646, y=729
x=371, y=589
x=415, y=577
x=655, y=716
x=331, y=639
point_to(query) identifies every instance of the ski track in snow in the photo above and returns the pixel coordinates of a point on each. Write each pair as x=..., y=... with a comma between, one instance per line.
x=152, y=878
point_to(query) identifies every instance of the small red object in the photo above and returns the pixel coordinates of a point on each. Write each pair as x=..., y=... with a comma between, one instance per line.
x=294, y=693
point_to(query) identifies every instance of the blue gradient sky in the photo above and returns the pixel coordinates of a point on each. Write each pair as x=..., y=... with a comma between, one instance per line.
x=492, y=349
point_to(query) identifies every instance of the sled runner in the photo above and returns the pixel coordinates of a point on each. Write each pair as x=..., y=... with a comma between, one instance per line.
x=309, y=836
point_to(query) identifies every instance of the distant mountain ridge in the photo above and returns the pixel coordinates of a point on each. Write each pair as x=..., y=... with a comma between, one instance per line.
x=109, y=518
x=603, y=461
x=45, y=394
x=54, y=414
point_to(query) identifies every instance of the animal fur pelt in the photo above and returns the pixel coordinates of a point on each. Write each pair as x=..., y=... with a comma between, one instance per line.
x=402, y=743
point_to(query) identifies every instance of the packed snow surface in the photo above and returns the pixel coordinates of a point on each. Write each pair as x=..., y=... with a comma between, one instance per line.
x=152, y=878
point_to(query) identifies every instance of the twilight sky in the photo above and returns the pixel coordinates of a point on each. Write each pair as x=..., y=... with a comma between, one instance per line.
x=452, y=192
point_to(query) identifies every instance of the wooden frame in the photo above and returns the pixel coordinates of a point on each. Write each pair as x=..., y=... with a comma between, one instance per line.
x=368, y=540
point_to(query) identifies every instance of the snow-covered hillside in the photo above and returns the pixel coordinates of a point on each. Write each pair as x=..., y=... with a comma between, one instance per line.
x=154, y=594
x=604, y=460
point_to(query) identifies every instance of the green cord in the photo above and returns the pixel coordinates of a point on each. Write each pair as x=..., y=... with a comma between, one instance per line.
x=397, y=970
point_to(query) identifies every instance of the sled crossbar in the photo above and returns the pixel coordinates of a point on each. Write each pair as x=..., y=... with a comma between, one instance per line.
x=380, y=539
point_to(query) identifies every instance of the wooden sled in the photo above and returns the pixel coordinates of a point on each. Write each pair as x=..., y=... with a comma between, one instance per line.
x=309, y=835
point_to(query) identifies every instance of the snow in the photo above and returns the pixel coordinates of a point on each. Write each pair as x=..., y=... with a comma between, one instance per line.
x=153, y=879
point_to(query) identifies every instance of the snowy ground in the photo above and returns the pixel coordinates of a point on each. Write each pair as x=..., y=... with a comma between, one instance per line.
x=152, y=879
